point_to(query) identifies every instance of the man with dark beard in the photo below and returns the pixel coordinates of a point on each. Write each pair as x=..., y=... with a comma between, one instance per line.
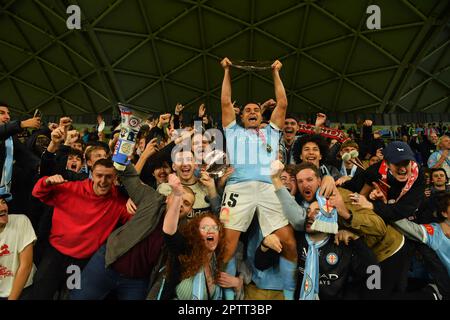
x=288, y=139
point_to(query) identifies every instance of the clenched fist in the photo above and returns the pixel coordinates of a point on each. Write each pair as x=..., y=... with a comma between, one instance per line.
x=225, y=63
x=175, y=183
x=53, y=180
x=277, y=65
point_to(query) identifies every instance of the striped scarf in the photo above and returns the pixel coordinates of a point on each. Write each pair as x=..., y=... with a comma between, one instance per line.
x=310, y=283
x=200, y=284
x=412, y=178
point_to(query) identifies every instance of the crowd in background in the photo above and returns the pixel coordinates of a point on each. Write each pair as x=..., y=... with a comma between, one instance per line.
x=163, y=228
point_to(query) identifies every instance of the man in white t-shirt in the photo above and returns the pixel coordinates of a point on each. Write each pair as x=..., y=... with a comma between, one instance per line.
x=206, y=196
x=17, y=238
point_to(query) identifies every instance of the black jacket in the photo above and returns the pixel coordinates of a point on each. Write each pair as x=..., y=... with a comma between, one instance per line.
x=334, y=276
x=426, y=148
x=51, y=166
x=24, y=158
x=155, y=161
x=368, y=144
x=408, y=204
x=24, y=168
x=31, y=142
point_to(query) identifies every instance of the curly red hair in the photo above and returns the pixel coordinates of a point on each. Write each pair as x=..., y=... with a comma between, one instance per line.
x=198, y=252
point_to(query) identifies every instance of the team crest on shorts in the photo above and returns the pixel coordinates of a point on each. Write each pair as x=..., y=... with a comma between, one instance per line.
x=332, y=258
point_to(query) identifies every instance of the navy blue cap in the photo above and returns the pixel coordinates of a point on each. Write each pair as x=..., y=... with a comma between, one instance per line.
x=398, y=151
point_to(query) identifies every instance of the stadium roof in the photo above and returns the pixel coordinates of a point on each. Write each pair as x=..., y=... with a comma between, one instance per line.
x=155, y=53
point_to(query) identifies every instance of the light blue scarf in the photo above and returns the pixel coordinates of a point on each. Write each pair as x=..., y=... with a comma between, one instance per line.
x=199, y=285
x=310, y=283
x=325, y=221
x=5, y=184
x=344, y=170
x=198, y=290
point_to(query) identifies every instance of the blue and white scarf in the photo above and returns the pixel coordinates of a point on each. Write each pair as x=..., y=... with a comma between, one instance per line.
x=198, y=290
x=310, y=283
x=5, y=184
x=326, y=219
x=344, y=170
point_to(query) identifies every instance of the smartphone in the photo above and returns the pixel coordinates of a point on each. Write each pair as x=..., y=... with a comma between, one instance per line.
x=37, y=113
x=197, y=173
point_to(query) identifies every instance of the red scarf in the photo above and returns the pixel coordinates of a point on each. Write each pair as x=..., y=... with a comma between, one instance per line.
x=324, y=131
x=412, y=178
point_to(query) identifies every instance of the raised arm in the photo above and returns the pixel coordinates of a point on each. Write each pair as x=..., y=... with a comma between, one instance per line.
x=170, y=225
x=150, y=149
x=436, y=162
x=411, y=229
x=9, y=129
x=228, y=114
x=360, y=220
x=137, y=190
x=295, y=214
x=279, y=113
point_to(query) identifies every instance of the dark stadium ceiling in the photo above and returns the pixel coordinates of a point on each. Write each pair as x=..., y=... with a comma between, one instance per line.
x=155, y=53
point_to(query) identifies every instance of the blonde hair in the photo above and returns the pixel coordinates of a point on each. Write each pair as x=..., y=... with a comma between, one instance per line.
x=438, y=145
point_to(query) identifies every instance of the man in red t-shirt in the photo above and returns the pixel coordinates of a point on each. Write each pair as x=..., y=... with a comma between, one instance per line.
x=85, y=213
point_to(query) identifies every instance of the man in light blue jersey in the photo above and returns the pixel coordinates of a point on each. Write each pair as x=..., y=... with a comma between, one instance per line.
x=249, y=189
x=268, y=284
x=435, y=235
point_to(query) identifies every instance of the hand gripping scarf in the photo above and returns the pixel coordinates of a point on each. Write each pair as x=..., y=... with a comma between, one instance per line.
x=324, y=131
x=326, y=220
x=310, y=283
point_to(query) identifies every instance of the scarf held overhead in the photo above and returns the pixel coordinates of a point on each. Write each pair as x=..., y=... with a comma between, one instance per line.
x=324, y=131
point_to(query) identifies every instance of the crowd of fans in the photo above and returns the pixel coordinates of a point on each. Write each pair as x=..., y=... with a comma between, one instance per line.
x=73, y=226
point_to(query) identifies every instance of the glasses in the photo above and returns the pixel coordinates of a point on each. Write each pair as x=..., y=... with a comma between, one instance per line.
x=207, y=228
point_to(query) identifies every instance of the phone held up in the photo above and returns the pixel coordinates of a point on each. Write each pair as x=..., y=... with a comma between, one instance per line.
x=37, y=113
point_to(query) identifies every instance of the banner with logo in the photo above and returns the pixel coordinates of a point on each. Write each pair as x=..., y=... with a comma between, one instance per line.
x=131, y=122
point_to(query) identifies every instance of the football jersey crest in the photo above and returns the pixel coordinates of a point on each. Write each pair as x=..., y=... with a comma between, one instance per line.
x=332, y=258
